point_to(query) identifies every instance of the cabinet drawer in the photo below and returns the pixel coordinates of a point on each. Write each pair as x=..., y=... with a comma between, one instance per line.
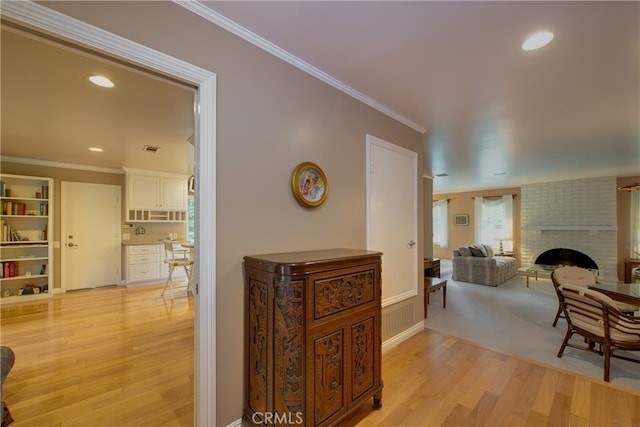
x=144, y=249
x=144, y=271
x=341, y=290
x=144, y=259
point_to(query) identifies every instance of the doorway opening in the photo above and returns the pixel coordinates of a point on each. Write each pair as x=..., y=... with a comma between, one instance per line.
x=34, y=16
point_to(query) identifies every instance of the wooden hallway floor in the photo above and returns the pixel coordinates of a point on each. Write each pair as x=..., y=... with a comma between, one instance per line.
x=438, y=380
x=124, y=357
x=112, y=356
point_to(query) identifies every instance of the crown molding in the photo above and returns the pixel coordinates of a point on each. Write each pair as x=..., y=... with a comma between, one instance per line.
x=47, y=163
x=71, y=28
x=240, y=31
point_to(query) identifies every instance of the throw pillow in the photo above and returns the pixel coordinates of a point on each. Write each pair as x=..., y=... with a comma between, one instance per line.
x=488, y=250
x=464, y=251
x=481, y=248
x=476, y=252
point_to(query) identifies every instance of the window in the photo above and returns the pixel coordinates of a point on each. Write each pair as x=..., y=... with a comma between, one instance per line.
x=441, y=223
x=191, y=209
x=494, y=221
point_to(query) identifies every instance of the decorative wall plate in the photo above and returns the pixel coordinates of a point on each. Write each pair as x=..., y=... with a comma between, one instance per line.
x=309, y=185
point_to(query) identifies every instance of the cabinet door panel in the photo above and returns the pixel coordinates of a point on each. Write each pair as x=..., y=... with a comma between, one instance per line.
x=174, y=193
x=363, y=360
x=328, y=376
x=143, y=192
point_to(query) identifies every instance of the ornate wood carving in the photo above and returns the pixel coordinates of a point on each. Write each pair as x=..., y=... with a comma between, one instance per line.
x=312, y=337
x=328, y=375
x=343, y=292
x=288, y=347
x=257, y=330
x=362, y=362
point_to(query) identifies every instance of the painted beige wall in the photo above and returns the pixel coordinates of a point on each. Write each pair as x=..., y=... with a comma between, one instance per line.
x=624, y=222
x=271, y=116
x=462, y=203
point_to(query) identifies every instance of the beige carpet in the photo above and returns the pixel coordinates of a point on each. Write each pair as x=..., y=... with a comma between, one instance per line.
x=516, y=319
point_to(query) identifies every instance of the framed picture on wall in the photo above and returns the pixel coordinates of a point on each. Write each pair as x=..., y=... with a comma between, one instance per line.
x=309, y=185
x=461, y=219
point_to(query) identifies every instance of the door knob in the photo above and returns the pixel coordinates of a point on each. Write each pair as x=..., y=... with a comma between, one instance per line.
x=71, y=245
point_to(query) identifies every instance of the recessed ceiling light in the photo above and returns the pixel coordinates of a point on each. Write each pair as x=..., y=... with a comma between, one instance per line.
x=96, y=149
x=101, y=81
x=537, y=40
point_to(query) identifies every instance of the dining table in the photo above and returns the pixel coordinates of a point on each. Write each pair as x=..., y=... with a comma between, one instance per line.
x=623, y=292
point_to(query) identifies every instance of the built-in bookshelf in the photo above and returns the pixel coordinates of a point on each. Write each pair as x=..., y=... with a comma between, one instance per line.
x=26, y=238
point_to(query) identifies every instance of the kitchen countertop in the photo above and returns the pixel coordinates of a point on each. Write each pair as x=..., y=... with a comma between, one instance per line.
x=149, y=242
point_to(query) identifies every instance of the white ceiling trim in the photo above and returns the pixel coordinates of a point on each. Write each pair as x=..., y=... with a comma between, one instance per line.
x=240, y=31
x=74, y=29
x=22, y=160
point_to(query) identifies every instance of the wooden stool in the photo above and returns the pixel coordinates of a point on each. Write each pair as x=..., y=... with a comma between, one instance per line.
x=432, y=284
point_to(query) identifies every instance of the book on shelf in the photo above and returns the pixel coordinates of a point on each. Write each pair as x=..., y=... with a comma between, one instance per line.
x=19, y=208
x=9, y=269
x=10, y=234
x=13, y=208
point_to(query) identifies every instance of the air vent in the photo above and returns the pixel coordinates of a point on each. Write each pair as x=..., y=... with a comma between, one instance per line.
x=441, y=175
x=150, y=148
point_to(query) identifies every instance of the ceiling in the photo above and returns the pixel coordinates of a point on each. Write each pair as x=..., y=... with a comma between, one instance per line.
x=51, y=112
x=493, y=115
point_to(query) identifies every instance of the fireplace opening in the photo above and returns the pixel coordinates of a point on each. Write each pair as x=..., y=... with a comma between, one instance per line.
x=564, y=256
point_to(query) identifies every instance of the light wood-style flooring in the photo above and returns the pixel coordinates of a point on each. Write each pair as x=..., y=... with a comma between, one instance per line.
x=437, y=380
x=105, y=357
x=124, y=357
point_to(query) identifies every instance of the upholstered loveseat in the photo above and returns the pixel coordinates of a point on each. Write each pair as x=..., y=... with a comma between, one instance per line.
x=478, y=264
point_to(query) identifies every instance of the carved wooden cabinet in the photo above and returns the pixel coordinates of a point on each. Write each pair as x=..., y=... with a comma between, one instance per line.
x=312, y=336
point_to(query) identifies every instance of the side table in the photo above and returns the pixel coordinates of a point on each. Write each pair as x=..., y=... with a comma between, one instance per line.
x=432, y=267
x=432, y=284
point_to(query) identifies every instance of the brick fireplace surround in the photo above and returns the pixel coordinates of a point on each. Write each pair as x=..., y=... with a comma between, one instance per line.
x=578, y=214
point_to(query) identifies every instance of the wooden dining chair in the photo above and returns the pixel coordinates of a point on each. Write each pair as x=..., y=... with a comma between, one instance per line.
x=176, y=258
x=577, y=276
x=594, y=316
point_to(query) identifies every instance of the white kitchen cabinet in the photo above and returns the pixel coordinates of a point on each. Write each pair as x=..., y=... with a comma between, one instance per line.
x=26, y=238
x=143, y=192
x=173, y=193
x=145, y=263
x=156, y=197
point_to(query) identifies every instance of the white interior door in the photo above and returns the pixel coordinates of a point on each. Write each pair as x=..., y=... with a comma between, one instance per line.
x=91, y=221
x=392, y=216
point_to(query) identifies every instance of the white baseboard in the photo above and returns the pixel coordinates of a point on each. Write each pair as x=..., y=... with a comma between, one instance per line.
x=402, y=336
x=236, y=423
